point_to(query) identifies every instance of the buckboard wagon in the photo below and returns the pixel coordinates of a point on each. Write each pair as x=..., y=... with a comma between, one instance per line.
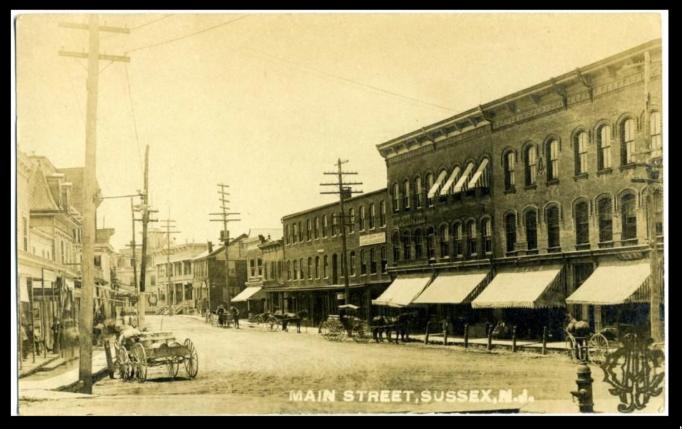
x=136, y=354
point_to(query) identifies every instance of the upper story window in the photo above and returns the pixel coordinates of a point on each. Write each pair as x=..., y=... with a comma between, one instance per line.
x=295, y=233
x=372, y=261
x=553, y=228
x=582, y=224
x=418, y=244
x=628, y=142
x=300, y=232
x=260, y=267
x=308, y=230
x=604, y=147
x=406, y=194
x=382, y=213
x=316, y=227
x=430, y=238
x=418, y=192
x=531, y=221
x=655, y=134
x=301, y=275
x=444, y=237
x=605, y=211
x=395, y=241
x=658, y=209
x=351, y=264
x=405, y=239
x=351, y=220
x=628, y=216
x=363, y=262
x=363, y=218
x=287, y=239
x=288, y=270
x=325, y=225
x=429, y=185
x=396, y=197
x=457, y=247
x=296, y=269
x=510, y=232
x=509, y=170
x=486, y=234
x=334, y=224
x=317, y=267
x=372, y=216
x=471, y=238
x=580, y=146
x=310, y=268
x=384, y=260
x=325, y=267
x=553, y=160
x=531, y=155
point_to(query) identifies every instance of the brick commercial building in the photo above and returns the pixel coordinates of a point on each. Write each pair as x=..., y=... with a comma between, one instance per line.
x=312, y=257
x=505, y=211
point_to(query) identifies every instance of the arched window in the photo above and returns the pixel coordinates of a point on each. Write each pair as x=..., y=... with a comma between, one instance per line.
x=334, y=224
x=510, y=232
x=405, y=239
x=582, y=225
x=382, y=213
x=295, y=269
x=351, y=264
x=363, y=218
x=628, y=217
x=605, y=210
x=531, y=155
x=604, y=147
x=444, y=239
x=363, y=262
x=418, y=192
x=372, y=215
x=406, y=193
x=531, y=221
x=310, y=268
x=384, y=260
x=396, y=197
x=457, y=240
x=288, y=270
x=372, y=261
x=580, y=149
x=301, y=274
x=471, y=238
x=294, y=234
x=509, y=168
x=429, y=185
x=552, y=156
x=351, y=220
x=655, y=133
x=325, y=225
x=308, y=229
x=553, y=228
x=395, y=241
x=317, y=267
x=418, y=244
x=430, y=238
x=316, y=228
x=487, y=235
x=325, y=267
x=300, y=232
x=627, y=133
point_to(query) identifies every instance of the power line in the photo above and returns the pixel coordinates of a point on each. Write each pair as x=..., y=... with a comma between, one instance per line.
x=347, y=80
x=132, y=111
x=164, y=42
x=137, y=27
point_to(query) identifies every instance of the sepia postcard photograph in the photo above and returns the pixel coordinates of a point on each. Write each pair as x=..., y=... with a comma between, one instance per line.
x=318, y=212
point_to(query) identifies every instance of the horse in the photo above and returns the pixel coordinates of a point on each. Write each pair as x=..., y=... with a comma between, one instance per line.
x=296, y=318
x=388, y=324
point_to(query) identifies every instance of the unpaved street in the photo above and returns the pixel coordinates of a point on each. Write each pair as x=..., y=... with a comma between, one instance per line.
x=254, y=371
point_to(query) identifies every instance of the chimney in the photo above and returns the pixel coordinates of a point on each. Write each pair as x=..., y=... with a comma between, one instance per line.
x=66, y=195
x=210, y=247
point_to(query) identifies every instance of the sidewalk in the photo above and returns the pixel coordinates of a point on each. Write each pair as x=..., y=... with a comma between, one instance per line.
x=36, y=388
x=29, y=367
x=521, y=345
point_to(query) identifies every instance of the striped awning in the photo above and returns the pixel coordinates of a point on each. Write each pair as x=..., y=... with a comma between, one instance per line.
x=451, y=180
x=463, y=178
x=475, y=179
x=403, y=290
x=436, y=184
x=250, y=293
x=614, y=283
x=453, y=288
x=535, y=287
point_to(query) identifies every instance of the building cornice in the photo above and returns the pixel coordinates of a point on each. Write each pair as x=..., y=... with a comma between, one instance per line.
x=334, y=204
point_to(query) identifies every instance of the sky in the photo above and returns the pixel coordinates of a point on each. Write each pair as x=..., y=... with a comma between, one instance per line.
x=266, y=102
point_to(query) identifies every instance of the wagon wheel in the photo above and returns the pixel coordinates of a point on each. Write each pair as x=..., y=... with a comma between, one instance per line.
x=571, y=345
x=598, y=348
x=140, y=362
x=332, y=330
x=191, y=360
x=123, y=364
x=361, y=333
x=172, y=365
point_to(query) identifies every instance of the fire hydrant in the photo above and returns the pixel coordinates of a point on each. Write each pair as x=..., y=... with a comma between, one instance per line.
x=584, y=392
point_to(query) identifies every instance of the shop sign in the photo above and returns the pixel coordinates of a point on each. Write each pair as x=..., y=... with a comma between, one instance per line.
x=370, y=239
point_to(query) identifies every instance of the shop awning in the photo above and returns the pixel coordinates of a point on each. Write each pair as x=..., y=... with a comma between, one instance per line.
x=614, y=283
x=49, y=277
x=463, y=179
x=451, y=180
x=248, y=294
x=69, y=284
x=522, y=288
x=23, y=289
x=436, y=184
x=474, y=182
x=403, y=291
x=453, y=288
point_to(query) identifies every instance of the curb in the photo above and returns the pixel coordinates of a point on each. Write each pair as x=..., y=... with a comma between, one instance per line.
x=37, y=367
x=73, y=387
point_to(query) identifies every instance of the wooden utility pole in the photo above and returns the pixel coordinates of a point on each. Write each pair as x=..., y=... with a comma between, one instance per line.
x=132, y=242
x=345, y=191
x=168, y=224
x=223, y=216
x=89, y=191
x=146, y=210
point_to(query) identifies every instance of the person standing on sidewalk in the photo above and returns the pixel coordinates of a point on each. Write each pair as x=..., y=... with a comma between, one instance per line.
x=235, y=316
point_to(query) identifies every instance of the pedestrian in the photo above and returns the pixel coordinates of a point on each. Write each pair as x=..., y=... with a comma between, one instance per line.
x=221, y=316
x=235, y=316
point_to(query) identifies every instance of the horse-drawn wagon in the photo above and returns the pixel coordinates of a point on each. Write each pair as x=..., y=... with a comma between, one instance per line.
x=135, y=353
x=337, y=326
